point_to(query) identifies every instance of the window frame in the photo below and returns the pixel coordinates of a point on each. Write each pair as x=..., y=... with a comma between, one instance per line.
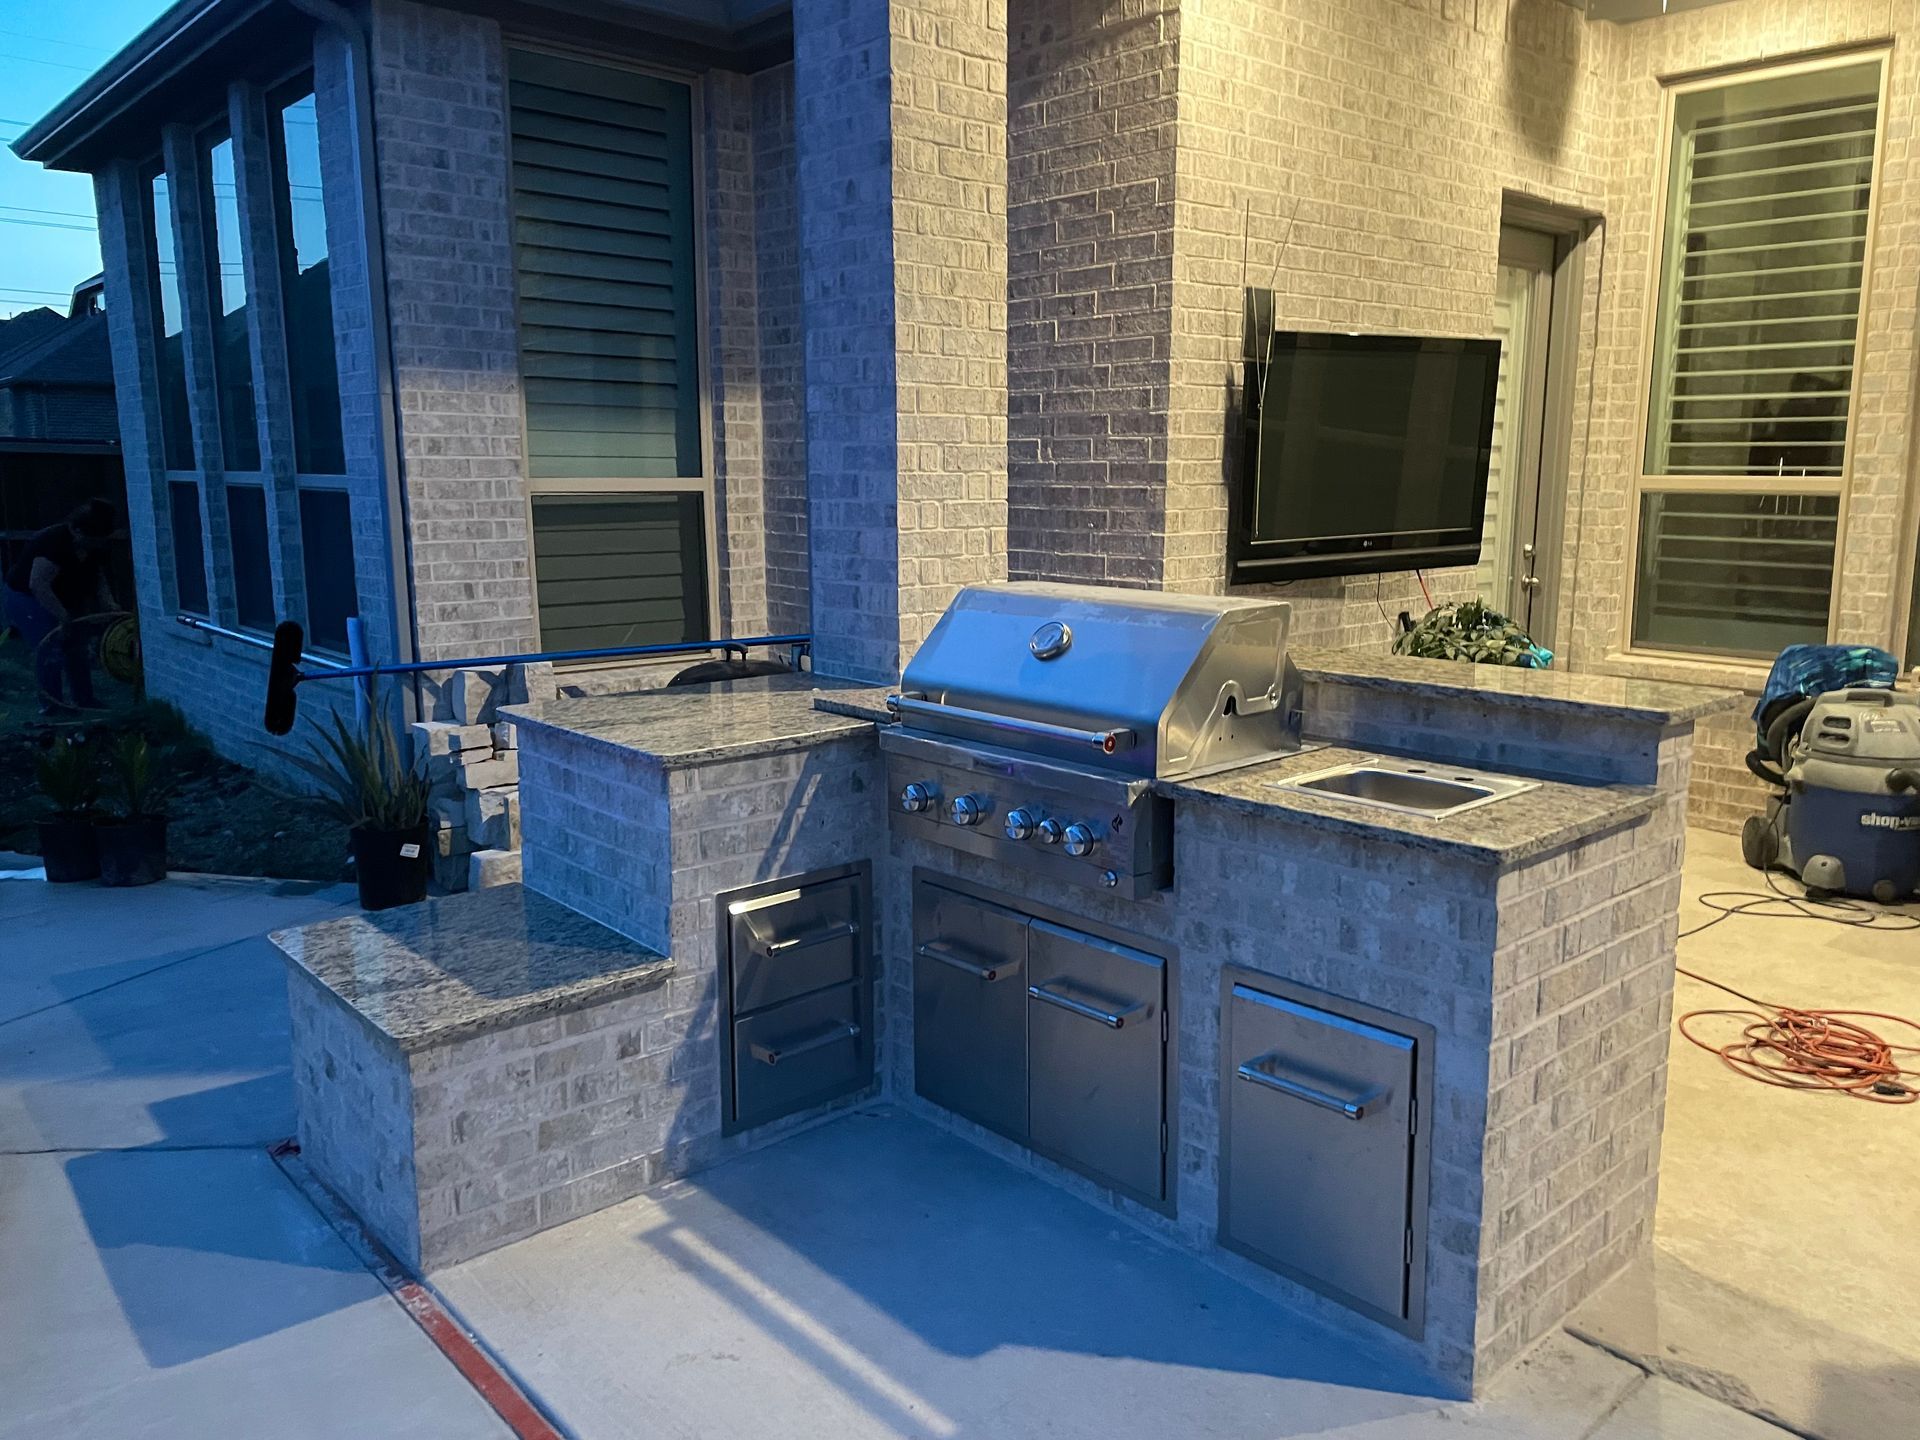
x=704, y=484
x=156, y=338
x=206, y=140
x=1642, y=483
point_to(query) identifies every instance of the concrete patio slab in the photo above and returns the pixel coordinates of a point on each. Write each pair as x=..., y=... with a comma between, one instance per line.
x=877, y=1277
x=159, y=1275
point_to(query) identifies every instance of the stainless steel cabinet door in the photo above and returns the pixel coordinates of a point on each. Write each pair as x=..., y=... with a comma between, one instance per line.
x=970, y=1008
x=1318, y=1147
x=794, y=942
x=1098, y=1056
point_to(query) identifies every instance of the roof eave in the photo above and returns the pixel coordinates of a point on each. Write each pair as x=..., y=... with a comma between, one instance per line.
x=173, y=41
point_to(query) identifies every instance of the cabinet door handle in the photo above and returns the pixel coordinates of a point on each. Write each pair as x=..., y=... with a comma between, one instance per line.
x=1113, y=1019
x=837, y=931
x=1354, y=1107
x=832, y=1034
x=945, y=954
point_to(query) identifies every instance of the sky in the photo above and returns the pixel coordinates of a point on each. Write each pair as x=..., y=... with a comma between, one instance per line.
x=47, y=239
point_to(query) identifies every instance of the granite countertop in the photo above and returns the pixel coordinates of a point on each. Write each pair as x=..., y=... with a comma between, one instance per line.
x=696, y=725
x=427, y=974
x=1505, y=832
x=1660, y=702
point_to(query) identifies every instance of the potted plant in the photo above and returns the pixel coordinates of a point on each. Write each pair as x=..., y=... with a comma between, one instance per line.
x=1471, y=631
x=133, y=840
x=382, y=800
x=70, y=780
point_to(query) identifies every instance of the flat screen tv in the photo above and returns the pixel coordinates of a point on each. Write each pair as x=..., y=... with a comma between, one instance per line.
x=1362, y=453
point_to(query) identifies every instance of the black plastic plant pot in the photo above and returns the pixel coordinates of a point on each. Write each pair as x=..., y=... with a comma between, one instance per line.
x=390, y=866
x=69, y=850
x=132, y=852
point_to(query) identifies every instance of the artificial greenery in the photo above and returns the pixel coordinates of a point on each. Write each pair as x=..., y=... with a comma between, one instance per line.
x=366, y=781
x=139, y=786
x=69, y=777
x=1470, y=631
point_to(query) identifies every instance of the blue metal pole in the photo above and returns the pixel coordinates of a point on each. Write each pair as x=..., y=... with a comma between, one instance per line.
x=361, y=669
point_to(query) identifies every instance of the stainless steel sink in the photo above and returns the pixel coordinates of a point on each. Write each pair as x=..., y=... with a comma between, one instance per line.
x=1410, y=787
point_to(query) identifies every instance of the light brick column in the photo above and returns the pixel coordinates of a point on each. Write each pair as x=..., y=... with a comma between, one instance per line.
x=901, y=132
x=267, y=342
x=186, y=192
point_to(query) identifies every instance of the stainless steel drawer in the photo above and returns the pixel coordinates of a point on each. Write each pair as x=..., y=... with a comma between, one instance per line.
x=970, y=1008
x=798, y=1055
x=1317, y=1159
x=1097, y=1057
x=794, y=941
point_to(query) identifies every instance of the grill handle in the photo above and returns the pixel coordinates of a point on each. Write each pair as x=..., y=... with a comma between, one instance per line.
x=1107, y=742
x=1353, y=1107
x=805, y=940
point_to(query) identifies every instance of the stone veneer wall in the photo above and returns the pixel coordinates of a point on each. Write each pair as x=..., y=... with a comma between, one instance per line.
x=644, y=849
x=782, y=353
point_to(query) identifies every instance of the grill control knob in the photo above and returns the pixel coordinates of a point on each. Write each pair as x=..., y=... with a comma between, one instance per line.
x=967, y=810
x=1078, y=840
x=919, y=797
x=1021, y=824
x=1050, y=832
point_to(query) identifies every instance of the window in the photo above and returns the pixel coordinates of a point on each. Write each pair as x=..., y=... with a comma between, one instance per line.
x=1760, y=292
x=620, y=569
x=306, y=278
x=326, y=546
x=252, y=556
x=232, y=352
x=189, y=546
x=604, y=252
x=176, y=426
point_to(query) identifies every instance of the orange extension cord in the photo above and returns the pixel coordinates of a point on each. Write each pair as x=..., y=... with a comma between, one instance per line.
x=1797, y=1049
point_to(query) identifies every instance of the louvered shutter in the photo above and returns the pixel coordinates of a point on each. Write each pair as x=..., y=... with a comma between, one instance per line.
x=1766, y=248
x=603, y=232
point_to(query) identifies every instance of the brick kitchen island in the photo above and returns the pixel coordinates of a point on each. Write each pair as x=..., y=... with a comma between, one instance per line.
x=1527, y=946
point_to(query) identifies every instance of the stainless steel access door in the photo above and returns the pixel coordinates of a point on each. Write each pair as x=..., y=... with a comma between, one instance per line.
x=793, y=942
x=1318, y=1159
x=1096, y=1038
x=970, y=1008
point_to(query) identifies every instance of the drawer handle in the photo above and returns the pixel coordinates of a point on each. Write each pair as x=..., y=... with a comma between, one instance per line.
x=1354, y=1108
x=1112, y=1019
x=840, y=930
x=831, y=1035
x=945, y=954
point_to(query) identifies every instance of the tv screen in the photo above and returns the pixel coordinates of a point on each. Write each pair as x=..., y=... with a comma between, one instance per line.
x=1363, y=453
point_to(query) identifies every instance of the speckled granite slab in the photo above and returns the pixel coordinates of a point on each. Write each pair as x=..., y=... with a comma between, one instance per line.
x=858, y=704
x=427, y=974
x=1505, y=832
x=697, y=725
x=1657, y=702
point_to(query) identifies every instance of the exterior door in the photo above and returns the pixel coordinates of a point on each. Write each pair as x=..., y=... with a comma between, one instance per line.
x=1518, y=561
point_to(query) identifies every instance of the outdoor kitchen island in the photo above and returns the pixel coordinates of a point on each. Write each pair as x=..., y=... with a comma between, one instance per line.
x=1404, y=1071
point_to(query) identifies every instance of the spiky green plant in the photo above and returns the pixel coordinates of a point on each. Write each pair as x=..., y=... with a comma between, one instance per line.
x=69, y=776
x=139, y=786
x=365, y=779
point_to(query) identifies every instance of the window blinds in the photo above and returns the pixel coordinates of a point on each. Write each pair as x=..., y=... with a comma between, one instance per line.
x=1766, y=247
x=603, y=230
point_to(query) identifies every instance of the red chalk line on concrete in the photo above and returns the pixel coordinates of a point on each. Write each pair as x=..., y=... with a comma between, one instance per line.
x=479, y=1369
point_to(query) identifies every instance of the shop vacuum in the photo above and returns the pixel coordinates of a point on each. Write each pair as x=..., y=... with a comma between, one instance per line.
x=1842, y=748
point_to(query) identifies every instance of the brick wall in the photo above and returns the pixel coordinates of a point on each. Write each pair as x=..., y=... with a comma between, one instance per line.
x=900, y=112
x=781, y=356
x=439, y=83
x=1090, y=176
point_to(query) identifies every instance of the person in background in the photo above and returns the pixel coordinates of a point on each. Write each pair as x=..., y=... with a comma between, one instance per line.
x=59, y=578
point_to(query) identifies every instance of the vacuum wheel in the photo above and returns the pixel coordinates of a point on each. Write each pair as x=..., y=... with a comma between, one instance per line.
x=1759, y=842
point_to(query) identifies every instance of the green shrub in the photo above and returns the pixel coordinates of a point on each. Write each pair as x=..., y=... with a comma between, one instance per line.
x=1471, y=631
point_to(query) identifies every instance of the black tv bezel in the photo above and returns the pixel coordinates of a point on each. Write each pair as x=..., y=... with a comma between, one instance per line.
x=1256, y=562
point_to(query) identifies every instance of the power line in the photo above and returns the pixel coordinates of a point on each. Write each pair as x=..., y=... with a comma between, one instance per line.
x=56, y=64
x=37, y=210
x=47, y=225
x=49, y=40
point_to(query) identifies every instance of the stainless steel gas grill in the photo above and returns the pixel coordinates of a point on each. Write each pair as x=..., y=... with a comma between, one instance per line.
x=1035, y=717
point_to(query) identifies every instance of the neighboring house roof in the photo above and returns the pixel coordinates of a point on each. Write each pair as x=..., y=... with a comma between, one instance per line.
x=20, y=331
x=58, y=384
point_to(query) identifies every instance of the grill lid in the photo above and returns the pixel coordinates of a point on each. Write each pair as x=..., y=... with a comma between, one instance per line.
x=1136, y=682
